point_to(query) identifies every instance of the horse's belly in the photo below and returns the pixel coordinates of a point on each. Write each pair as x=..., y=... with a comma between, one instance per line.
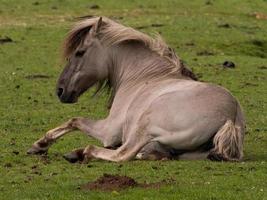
x=187, y=119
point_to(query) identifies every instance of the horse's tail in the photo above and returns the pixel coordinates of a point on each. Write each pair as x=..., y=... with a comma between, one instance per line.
x=228, y=141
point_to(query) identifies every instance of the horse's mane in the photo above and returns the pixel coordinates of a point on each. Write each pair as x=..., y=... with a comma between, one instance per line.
x=112, y=33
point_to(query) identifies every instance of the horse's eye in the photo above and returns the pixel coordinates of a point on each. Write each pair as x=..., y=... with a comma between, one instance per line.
x=79, y=53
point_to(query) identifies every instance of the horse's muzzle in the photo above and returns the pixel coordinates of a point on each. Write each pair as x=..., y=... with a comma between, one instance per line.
x=67, y=97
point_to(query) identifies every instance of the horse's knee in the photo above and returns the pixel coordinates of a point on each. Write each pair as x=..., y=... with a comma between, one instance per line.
x=112, y=142
x=74, y=122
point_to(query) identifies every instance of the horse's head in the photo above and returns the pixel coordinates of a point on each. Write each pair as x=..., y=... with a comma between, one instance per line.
x=85, y=67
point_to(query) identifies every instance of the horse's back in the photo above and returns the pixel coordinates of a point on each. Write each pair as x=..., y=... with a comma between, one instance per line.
x=188, y=97
x=195, y=101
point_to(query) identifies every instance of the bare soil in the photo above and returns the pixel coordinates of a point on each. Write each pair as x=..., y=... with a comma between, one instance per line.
x=5, y=40
x=109, y=182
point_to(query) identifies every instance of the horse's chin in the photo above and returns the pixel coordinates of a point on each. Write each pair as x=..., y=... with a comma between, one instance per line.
x=69, y=101
x=73, y=98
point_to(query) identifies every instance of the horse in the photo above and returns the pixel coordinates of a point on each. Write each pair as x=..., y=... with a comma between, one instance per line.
x=158, y=108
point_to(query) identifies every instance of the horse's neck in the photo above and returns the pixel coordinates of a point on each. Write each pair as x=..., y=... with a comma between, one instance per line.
x=133, y=64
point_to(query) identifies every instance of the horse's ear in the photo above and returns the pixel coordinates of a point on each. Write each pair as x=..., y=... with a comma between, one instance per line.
x=99, y=24
x=96, y=28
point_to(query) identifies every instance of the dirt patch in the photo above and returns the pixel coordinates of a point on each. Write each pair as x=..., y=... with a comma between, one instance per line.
x=248, y=84
x=109, y=182
x=262, y=67
x=44, y=159
x=205, y=53
x=157, y=25
x=226, y=25
x=36, y=3
x=5, y=40
x=152, y=25
x=259, y=43
x=7, y=165
x=15, y=152
x=37, y=76
x=228, y=64
x=94, y=6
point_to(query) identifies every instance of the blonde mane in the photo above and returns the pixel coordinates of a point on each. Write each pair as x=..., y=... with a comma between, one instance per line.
x=113, y=33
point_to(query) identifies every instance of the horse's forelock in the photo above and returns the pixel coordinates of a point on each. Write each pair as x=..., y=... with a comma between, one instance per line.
x=73, y=40
x=77, y=35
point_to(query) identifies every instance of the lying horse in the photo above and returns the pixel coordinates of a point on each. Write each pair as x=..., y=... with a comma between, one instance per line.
x=157, y=110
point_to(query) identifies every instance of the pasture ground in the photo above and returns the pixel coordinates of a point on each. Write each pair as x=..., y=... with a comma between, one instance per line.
x=205, y=33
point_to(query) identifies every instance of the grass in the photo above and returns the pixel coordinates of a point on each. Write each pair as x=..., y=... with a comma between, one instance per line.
x=204, y=34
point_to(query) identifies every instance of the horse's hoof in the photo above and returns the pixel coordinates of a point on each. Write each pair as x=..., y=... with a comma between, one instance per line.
x=213, y=156
x=33, y=150
x=74, y=156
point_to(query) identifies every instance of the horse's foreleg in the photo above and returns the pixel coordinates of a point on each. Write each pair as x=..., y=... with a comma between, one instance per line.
x=85, y=125
x=136, y=139
x=41, y=146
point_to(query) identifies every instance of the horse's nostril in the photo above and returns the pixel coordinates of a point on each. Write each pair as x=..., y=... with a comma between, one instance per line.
x=59, y=92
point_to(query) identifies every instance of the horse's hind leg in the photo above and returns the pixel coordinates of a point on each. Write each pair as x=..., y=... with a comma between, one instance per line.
x=85, y=125
x=194, y=156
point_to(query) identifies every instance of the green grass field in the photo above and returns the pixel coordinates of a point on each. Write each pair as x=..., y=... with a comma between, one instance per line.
x=205, y=33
